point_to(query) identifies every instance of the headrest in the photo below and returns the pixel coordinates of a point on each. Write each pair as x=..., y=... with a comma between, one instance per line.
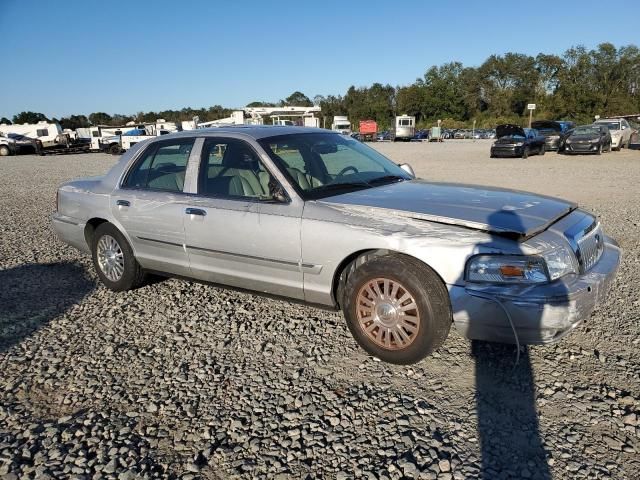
x=238, y=156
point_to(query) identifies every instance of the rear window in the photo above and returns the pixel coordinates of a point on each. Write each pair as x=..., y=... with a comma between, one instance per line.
x=162, y=167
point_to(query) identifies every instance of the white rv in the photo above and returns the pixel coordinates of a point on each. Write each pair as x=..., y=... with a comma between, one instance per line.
x=47, y=134
x=341, y=124
x=405, y=127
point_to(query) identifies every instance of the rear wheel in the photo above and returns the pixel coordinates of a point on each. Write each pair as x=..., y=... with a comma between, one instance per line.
x=397, y=309
x=115, y=149
x=113, y=259
x=543, y=149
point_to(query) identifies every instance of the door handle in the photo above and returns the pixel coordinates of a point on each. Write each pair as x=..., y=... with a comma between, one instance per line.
x=123, y=203
x=195, y=211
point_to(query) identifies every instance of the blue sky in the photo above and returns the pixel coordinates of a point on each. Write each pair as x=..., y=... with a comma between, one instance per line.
x=85, y=56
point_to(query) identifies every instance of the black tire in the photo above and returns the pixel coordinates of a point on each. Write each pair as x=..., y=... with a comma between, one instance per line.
x=427, y=290
x=132, y=276
x=543, y=149
x=599, y=152
x=4, y=151
x=525, y=153
x=115, y=149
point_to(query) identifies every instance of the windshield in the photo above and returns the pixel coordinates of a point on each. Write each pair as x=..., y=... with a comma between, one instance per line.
x=611, y=125
x=325, y=164
x=586, y=131
x=343, y=126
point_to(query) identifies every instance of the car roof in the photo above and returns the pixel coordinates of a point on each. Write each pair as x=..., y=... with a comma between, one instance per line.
x=256, y=132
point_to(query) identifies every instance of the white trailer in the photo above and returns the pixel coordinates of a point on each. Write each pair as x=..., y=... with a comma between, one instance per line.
x=405, y=127
x=341, y=124
x=48, y=134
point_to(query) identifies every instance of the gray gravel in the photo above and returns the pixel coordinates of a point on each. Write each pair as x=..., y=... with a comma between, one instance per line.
x=183, y=380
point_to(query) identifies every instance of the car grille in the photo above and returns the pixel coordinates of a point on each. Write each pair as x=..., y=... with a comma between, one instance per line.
x=590, y=245
x=581, y=146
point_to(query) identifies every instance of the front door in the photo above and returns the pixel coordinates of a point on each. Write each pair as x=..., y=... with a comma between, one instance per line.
x=236, y=234
x=150, y=204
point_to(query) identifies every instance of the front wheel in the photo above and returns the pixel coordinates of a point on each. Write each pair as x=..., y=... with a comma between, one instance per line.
x=543, y=149
x=397, y=309
x=4, y=151
x=525, y=152
x=599, y=152
x=115, y=149
x=114, y=261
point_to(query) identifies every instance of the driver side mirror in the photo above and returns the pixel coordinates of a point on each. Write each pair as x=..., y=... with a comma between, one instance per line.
x=277, y=192
x=407, y=168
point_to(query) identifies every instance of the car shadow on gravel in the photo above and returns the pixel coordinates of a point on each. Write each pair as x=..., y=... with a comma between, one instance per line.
x=511, y=444
x=34, y=294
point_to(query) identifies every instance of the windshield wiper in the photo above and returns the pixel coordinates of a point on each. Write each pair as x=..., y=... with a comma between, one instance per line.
x=340, y=186
x=386, y=179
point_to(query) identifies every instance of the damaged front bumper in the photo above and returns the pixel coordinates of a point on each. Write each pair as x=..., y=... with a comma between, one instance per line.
x=540, y=313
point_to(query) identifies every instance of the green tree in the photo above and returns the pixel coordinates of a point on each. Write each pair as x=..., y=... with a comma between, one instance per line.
x=29, y=117
x=5, y=120
x=73, y=122
x=100, y=118
x=261, y=104
x=297, y=99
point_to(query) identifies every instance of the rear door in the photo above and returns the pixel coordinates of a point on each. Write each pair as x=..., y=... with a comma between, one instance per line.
x=149, y=206
x=236, y=234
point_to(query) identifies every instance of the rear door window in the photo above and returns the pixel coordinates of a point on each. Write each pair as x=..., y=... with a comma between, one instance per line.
x=161, y=167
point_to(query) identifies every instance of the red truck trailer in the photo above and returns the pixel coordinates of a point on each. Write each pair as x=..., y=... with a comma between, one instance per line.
x=368, y=130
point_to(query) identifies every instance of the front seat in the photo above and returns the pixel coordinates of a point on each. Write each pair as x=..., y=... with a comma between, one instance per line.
x=239, y=161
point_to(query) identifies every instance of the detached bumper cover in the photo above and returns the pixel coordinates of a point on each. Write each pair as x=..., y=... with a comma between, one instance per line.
x=540, y=313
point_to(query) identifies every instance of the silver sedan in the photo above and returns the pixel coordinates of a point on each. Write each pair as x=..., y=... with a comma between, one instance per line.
x=319, y=217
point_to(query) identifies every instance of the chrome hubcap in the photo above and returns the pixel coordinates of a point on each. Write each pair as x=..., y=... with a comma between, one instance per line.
x=388, y=313
x=110, y=258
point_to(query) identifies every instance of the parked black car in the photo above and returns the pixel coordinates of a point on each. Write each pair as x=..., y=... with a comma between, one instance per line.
x=421, y=135
x=515, y=141
x=588, y=139
x=551, y=131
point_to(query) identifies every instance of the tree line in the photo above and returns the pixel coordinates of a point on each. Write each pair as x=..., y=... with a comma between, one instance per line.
x=576, y=85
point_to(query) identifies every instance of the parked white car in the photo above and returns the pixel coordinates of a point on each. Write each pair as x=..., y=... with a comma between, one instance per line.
x=620, y=130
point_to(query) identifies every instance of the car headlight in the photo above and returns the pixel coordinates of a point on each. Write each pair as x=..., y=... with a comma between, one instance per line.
x=594, y=140
x=560, y=262
x=519, y=144
x=506, y=269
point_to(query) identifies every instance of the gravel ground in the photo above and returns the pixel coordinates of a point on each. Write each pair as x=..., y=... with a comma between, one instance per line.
x=183, y=380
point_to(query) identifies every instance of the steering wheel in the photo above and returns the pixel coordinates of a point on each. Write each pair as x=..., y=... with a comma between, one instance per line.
x=342, y=172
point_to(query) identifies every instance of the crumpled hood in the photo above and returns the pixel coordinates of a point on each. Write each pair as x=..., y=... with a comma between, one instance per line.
x=507, y=212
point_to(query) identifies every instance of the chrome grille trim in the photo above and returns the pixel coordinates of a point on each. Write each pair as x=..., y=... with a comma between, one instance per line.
x=590, y=245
